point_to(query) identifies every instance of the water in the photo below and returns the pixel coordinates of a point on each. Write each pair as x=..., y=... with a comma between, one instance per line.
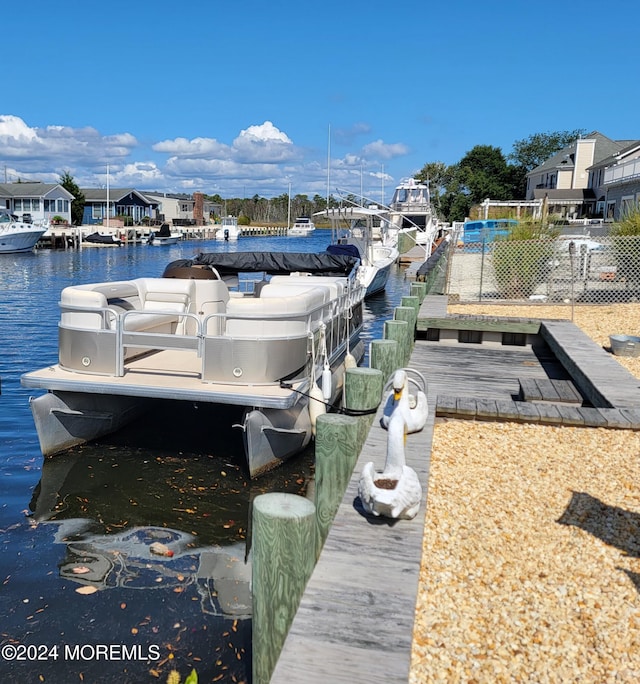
x=85, y=520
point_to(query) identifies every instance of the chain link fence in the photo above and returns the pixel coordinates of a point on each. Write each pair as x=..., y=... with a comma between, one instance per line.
x=577, y=267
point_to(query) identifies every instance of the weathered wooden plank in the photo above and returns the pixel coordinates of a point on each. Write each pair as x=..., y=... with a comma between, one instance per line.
x=527, y=412
x=529, y=389
x=549, y=414
x=566, y=391
x=570, y=415
x=488, y=323
x=599, y=377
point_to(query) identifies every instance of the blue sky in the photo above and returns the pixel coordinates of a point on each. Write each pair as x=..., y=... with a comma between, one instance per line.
x=246, y=98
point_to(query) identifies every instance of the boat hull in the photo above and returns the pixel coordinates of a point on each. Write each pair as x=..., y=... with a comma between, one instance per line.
x=17, y=242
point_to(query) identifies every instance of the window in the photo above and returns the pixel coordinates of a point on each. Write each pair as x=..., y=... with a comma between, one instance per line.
x=50, y=206
x=62, y=206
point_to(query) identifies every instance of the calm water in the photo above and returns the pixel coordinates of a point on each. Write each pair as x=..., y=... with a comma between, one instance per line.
x=85, y=520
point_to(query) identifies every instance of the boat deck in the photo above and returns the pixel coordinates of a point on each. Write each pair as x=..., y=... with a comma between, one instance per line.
x=355, y=620
x=169, y=374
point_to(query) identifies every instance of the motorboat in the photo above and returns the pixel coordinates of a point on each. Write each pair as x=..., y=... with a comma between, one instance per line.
x=164, y=236
x=229, y=229
x=17, y=236
x=258, y=333
x=362, y=232
x=411, y=210
x=302, y=227
x=101, y=240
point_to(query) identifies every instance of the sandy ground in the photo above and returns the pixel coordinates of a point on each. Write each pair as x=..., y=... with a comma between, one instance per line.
x=531, y=556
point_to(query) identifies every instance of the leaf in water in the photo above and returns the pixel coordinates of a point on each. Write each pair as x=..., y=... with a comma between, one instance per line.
x=192, y=678
x=86, y=590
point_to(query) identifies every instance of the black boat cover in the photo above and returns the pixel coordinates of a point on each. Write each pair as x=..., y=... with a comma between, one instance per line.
x=272, y=263
x=100, y=239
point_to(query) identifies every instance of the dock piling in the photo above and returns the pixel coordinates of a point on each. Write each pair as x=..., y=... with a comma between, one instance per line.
x=284, y=555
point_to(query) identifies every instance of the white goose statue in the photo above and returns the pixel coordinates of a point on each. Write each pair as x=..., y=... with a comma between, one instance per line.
x=396, y=491
x=413, y=406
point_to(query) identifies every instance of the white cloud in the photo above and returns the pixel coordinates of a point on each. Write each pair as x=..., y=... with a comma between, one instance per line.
x=261, y=159
x=382, y=150
x=196, y=148
x=264, y=143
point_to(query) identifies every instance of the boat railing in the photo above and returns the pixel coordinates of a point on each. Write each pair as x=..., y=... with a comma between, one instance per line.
x=155, y=341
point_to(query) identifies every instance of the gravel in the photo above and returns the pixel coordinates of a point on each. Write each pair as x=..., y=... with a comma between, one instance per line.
x=531, y=552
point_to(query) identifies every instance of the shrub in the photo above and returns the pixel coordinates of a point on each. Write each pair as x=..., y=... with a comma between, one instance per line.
x=521, y=258
x=244, y=221
x=626, y=245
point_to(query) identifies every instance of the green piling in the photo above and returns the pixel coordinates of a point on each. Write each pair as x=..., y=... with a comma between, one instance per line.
x=383, y=355
x=363, y=393
x=284, y=555
x=336, y=452
x=399, y=331
x=419, y=290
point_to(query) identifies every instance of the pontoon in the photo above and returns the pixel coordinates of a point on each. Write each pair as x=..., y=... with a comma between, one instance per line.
x=202, y=334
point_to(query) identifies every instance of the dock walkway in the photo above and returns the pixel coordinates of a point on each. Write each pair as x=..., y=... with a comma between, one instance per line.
x=355, y=620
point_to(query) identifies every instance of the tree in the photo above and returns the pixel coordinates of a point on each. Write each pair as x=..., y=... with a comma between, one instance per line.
x=537, y=148
x=77, y=204
x=433, y=175
x=530, y=152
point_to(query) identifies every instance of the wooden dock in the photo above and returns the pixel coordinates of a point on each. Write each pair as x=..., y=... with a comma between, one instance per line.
x=355, y=620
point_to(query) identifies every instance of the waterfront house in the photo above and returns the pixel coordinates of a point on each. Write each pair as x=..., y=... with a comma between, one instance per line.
x=571, y=182
x=41, y=202
x=184, y=210
x=619, y=176
x=101, y=203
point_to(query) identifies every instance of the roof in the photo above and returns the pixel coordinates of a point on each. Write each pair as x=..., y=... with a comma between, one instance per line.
x=630, y=146
x=32, y=189
x=115, y=195
x=565, y=158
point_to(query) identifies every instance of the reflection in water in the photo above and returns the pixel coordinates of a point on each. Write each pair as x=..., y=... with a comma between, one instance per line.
x=109, y=505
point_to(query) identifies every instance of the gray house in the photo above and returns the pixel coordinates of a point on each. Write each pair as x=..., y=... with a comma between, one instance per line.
x=619, y=177
x=572, y=182
x=42, y=201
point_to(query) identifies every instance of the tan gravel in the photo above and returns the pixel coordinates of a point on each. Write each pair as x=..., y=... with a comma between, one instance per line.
x=531, y=555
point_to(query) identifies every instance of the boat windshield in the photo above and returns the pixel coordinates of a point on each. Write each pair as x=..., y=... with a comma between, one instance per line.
x=5, y=217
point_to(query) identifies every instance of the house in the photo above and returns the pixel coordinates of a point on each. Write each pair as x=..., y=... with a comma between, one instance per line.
x=120, y=201
x=619, y=176
x=181, y=209
x=572, y=182
x=42, y=201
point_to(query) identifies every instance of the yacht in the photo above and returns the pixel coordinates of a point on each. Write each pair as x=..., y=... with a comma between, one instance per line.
x=16, y=236
x=365, y=232
x=302, y=227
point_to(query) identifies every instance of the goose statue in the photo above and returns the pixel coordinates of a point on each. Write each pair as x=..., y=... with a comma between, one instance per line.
x=396, y=491
x=413, y=407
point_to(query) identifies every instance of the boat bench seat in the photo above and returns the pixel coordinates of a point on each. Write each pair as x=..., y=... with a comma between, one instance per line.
x=97, y=306
x=275, y=316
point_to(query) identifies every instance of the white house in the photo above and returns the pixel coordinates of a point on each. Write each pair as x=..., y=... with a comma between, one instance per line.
x=42, y=201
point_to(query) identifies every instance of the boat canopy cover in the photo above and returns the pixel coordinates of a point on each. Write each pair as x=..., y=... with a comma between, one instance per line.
x=272, y=263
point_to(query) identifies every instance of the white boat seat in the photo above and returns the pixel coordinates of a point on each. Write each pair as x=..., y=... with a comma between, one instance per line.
x=264, y=313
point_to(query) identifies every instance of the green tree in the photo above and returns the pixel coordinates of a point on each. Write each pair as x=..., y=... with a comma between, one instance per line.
x=77, y=204
x=537, y=148
x=433, y=175
x=530, y=152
